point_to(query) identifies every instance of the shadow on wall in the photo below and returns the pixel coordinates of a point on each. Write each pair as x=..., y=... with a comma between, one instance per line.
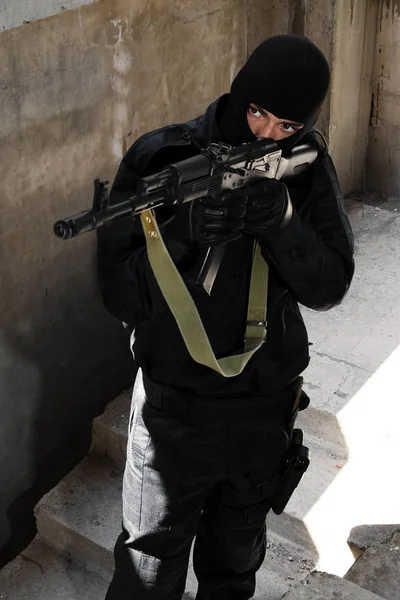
x=56, y=374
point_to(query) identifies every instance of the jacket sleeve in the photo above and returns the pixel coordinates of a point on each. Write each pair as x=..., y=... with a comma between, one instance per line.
x=122, y=262
x=117, y=242
x=314, y=253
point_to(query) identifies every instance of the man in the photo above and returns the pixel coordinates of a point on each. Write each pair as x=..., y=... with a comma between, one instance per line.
x=205, y=452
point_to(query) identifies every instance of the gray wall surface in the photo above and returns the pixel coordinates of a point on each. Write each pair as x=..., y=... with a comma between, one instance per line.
x=350, y=101
x=76, y=88
x=383, y=161
x=14, y=13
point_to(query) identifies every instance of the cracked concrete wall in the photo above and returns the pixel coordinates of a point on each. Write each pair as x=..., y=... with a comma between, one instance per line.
x=75, y=89
x=350, y=102
x=383, y=159
x=14, y=14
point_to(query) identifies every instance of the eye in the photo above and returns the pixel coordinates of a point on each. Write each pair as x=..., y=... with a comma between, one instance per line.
x=255, y=112
x=288, y=128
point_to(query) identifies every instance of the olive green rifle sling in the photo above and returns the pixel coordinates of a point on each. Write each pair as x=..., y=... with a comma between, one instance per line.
x=186, y=314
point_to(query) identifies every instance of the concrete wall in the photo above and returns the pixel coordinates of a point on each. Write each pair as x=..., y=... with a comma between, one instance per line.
x=354, y=42
x=75, y=88
x=383, y=160
x=18, y=12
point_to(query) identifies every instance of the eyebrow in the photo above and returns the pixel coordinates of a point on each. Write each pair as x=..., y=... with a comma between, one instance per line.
x=264, y=112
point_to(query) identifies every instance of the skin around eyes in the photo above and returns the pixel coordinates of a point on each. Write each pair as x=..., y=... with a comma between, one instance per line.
x=264, y=124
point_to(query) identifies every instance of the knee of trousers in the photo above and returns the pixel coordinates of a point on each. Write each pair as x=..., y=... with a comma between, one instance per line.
x=235, y=540
x=234, y=533
x=159, y=542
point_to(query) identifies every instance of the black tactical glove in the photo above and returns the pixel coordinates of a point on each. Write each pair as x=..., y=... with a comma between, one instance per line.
x=218, y=221
x=269, y=208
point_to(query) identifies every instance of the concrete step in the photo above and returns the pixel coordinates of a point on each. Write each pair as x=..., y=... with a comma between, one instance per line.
x=363, y=537
x=81, y=518
x=109, y=430
x=40, y=573
x=324, y=586
x=378, y=569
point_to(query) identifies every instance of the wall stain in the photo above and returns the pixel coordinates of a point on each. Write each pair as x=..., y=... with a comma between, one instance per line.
x=372, y=110
x=393, y=6
x=351, y=11
x=202, y=16
x=297, y=19
x=380, y=16
x=378, y=97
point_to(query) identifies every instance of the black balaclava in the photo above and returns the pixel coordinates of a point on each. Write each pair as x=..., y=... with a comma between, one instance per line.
x=289, y=77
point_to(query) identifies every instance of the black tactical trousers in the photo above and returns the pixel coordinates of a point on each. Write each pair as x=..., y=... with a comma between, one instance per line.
x=204, y=469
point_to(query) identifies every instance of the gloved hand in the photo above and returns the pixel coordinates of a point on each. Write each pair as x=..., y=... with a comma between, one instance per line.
x=218, y=221
x=269, y=208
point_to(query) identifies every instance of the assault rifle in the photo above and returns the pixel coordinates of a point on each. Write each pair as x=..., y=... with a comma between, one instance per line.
x=220, y=167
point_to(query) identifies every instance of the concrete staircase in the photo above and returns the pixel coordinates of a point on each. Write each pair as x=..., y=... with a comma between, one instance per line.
x=80, y=518
x=79, y=521
x=354, y=383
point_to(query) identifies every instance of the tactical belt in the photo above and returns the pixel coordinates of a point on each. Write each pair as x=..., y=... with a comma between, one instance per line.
x=186, y=314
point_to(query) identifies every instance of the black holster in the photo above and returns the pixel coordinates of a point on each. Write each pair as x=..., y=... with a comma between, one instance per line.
x=297, y=458
x=296, y=465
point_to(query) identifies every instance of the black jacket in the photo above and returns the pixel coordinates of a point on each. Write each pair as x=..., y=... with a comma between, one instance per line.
x=311, y=262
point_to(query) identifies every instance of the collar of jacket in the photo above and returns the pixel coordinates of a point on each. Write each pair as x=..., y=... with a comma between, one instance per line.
x=204, y=130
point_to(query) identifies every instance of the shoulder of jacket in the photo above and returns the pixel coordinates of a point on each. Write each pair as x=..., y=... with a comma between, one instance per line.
x=324, y=172
x=324, y=158
x=317, y=139
x=144, y=148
